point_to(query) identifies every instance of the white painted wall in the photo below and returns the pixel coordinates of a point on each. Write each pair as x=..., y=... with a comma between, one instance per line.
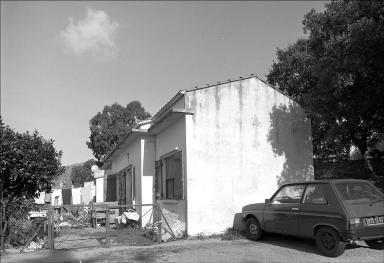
x=142, y=157
x=76, y=196
x=121, y=162
x=147, y=173
x=239, y=150
x=170, y=139
x=99, y=189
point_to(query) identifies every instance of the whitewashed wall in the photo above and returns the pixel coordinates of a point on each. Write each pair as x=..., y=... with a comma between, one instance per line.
x=244, y=139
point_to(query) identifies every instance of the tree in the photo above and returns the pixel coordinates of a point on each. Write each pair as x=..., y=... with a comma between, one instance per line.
x=110, y=125
x=29, y=163
x=82, y=173
x=337, y=74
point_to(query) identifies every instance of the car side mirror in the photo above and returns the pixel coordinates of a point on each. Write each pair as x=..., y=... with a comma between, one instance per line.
x=267, y=201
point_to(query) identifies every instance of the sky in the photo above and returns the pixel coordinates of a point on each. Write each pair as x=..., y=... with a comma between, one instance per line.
x=62, y=62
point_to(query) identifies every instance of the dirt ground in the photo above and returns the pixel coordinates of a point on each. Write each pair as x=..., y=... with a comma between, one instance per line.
x=94, y=237
x=273, y=248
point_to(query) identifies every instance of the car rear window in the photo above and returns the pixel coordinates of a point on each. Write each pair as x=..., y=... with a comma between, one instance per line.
x=358, y=192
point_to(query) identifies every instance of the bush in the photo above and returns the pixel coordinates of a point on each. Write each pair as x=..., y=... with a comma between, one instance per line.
x=20, y=227
x=19, y=230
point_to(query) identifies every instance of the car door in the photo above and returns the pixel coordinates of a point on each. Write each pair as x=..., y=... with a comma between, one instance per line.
x=280, y=214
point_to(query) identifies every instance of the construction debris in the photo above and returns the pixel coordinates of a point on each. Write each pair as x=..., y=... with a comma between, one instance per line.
x=172, y=226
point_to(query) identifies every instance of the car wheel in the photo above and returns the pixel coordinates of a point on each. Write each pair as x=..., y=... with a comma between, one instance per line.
x=329, y=243
x=252, y=229
x=375, y=243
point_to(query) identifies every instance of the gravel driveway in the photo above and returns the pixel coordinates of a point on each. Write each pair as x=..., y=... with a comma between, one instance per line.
x=272, y=248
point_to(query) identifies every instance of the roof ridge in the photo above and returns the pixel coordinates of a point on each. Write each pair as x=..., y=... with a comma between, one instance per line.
x=252, y=75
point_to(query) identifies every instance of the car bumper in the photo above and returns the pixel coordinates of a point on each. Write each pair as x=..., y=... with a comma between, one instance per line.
x=366, y=233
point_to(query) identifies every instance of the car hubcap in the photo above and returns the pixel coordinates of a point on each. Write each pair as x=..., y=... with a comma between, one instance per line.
x=328, y=241
x=253, y=229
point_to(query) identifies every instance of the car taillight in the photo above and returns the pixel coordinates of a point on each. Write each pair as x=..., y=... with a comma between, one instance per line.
x=356, y=222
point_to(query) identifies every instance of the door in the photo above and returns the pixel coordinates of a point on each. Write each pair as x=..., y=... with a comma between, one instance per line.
x=122, y=190
x=281, y=214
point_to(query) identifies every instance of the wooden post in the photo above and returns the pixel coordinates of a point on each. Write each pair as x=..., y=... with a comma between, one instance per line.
x=107, y=225
x=51, y=233
x=156, y=207
x=2, y=230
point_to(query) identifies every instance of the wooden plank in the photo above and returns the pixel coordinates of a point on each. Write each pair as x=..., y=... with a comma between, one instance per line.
x=159, y=235
x=107, y=226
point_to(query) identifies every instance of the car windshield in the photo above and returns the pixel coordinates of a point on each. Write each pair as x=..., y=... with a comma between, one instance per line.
x=358, y=192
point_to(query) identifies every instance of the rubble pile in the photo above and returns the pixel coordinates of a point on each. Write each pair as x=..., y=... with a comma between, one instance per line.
x=176, y=226
x=67, y=219
x=38, y=244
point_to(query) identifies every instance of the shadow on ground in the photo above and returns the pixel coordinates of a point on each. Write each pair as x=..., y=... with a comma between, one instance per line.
x=300, y=244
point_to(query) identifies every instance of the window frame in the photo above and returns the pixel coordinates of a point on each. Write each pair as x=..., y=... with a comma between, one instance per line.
x=162, y=186
x=305, y=193
x=288, y=185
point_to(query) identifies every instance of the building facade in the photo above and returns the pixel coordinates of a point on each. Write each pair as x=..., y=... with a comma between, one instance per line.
x=210, y=151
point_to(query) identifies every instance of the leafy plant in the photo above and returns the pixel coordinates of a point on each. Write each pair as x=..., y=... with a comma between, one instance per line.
x=336, y=72
x=110, y=125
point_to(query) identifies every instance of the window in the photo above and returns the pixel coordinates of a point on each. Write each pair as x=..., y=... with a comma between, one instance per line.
x=111, y=189
x=169, y=177
x=170, y=188
x=358, y=192
x=289, y=194
x=314, y=195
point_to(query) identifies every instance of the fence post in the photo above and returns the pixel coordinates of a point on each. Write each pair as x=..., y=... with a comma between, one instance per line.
x=107, y=225
x=2, y=220
x=51, y=233
x=159, y=235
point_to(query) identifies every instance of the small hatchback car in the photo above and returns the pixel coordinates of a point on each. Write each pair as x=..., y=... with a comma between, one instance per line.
x=333, y=212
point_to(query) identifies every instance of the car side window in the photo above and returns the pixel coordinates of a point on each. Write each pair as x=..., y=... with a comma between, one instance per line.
x=289, y=194
x=314, y=195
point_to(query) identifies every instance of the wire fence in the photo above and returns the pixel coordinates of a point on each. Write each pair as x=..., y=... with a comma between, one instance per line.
x=91, y=224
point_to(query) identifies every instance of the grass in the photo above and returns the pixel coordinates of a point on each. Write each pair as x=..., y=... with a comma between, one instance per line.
x=232, y=234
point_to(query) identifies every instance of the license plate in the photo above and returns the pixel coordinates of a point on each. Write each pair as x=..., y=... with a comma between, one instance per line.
x=374, y=220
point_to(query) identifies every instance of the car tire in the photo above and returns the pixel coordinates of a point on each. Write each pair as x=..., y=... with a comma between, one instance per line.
x=329, y=243
x=253, y=230
x=375, y=243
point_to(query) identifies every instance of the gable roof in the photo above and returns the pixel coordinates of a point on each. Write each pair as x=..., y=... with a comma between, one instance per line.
x=167, y=111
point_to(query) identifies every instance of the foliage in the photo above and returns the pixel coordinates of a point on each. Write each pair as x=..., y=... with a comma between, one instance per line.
x=19, y=232
x=110, y=125
x=19, y=207
x=19, y=226
x=337, y=73
x=82, y=173
x=29, y=163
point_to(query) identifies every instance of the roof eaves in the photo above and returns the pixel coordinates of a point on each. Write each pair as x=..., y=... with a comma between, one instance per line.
x=131, y=131
x=169, y=104
x=166, y=114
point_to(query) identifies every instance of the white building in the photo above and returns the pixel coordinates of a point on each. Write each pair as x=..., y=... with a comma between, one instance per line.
x=209, y=151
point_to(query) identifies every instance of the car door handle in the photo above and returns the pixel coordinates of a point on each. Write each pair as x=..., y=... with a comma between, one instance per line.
x=295, y=209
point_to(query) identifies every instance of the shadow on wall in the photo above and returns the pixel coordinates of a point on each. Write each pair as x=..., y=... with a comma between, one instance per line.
x=290, y=136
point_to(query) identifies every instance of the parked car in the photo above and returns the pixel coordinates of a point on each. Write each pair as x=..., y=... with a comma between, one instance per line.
x=333, y=212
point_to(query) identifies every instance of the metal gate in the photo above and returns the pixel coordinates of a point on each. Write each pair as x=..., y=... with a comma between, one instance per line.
x=93, y=225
